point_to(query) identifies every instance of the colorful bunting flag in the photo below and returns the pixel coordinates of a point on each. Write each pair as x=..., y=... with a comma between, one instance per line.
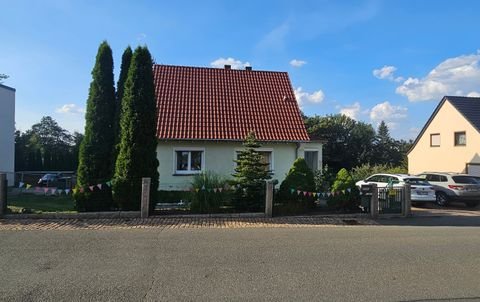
x=349, y=190
x=45, y=190
x=53, y=190
x=67, y=191
x=82, y=190
x=91, y=188
x=215, y=190
x=20, y=184
x=292, y=191
x=28, y=186
x=298, y=192
x=109, y=183
x=314, y=194
x=197, y=189
x=99, y=186
x=343, y=191
x=220, y=189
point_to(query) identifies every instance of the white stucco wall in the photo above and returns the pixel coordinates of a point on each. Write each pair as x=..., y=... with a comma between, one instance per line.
x=447, y=157
x=219, y=157
x=7, y=132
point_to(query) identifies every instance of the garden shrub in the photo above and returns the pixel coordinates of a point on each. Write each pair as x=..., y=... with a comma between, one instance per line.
x=345, y=195
x=299, y=178
x=250, y=175
x=206, y=198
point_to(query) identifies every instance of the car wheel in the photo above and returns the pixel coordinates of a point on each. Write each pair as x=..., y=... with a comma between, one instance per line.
x=471, y=204
x=442, y=199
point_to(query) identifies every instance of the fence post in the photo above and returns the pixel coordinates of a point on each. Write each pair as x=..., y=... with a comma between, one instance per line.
x=145, y=203
x=374, y=202
x=407, y=204
x=269, y=199
x=3, y=194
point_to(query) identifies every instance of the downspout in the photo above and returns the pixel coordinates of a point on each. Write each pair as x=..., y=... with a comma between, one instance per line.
x=296, y=150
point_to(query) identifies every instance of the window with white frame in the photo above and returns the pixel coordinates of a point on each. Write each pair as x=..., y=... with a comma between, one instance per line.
x=189, y=161
x=267, y=158
x=435, y=140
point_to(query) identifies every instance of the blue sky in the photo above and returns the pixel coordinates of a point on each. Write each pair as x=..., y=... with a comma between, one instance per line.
x=372, y=60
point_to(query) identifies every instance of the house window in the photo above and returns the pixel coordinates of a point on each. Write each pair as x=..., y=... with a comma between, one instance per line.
x=266, y=159
x=189, y=161
x=311, y=157
x=435, y=140
x=460, y=138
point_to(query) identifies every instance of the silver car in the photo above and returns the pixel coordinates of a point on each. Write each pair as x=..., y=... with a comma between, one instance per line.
x=454, y=187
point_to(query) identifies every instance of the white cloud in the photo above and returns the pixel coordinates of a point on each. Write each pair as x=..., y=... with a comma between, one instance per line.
x=386, y=72
x=474, y=94
x=351, y=111
x=141, y=36
x=453, y=76
x=297, y=63
x=236, y=64
x=389, y=113
x=304, y=97
x=70, y=109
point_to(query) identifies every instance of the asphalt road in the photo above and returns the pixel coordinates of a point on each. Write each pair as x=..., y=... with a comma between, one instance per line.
x=373, y=263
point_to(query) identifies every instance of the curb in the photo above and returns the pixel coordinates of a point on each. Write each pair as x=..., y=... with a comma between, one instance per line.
x=90, y=215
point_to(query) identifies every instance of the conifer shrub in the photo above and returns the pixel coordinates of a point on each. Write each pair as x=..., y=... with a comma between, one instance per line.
x=345, y=195
x=299, y=179
x=250, y=175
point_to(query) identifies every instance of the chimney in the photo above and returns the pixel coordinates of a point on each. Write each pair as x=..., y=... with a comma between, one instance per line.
x=228, y=67
x=248, y=68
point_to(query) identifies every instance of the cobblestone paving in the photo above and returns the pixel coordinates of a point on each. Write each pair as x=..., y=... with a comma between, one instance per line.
x=166, y=223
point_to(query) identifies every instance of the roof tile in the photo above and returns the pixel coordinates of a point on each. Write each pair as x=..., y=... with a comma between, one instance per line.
x=197, y=103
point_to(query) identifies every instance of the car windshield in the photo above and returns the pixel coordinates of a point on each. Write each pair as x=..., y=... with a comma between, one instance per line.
x=464, y=180
x=417, y=181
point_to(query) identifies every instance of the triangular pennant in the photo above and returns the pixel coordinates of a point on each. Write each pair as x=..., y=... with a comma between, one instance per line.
x=314, y=194
x=298, y=192
x=292, y=191
x=20, y=184
x=305, y=193
x=91, y=188
x=309, y=193
x=109, y=183
x=343, y=191
x=209, y=190
x=220, y=189
x=45, y=190
x=349, y=190
x=60, y=191
x=53, y=190
x=28, y=186
x=197, y=189
x=203, y=187
x=81, y=190
x=74, y=190
x=215, y=190
x=67, y=191
x=99, y=186
x=329, y=194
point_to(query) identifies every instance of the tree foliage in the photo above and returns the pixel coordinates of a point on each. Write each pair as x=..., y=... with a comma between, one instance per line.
x=349, y=143
x=95, y=159
x=137, y=156
x=3, y=77
x=126, y=60
x=345, y=194
x=250, y=176
x=46, y=146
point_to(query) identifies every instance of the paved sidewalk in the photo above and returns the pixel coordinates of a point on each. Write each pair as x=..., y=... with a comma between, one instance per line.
x=165, y=223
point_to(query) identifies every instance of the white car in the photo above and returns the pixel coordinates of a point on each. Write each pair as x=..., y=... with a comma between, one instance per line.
x=421, y=190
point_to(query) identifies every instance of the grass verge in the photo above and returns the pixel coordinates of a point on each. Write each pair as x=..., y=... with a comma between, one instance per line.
x=32, y=203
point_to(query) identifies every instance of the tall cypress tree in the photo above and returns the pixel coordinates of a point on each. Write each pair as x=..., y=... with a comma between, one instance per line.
x=126, y=60
x=95, y=156
x=137, y=156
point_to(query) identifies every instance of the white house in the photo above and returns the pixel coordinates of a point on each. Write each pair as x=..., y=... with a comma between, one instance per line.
x=204, y=115
x=7, y=132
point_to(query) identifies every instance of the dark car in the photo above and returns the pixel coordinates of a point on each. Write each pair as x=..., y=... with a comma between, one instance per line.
x=53, y=180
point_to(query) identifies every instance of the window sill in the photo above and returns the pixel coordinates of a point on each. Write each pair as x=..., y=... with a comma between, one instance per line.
x=186, y=174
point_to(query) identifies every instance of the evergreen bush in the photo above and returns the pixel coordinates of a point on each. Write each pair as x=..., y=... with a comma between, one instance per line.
x=95, y=155
x=250, y=176
x=345, y=195
x=137, y=156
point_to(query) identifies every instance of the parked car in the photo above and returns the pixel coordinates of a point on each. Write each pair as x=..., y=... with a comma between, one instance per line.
x=54, y=180
x=421, y=190
x=454, y=187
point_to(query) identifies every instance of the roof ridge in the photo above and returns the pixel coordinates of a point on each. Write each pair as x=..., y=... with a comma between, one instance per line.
x=219, y=68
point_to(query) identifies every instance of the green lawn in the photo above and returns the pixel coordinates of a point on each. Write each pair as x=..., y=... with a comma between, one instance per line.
x=40, y=203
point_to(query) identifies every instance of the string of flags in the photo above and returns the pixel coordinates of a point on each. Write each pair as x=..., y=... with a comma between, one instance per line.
x=54, y=191
x=319, y=194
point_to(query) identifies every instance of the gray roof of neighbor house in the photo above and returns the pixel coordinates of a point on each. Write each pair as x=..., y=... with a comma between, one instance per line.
x=469, y=107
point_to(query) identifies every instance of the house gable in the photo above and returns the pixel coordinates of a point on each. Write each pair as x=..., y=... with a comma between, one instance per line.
x=435, y=149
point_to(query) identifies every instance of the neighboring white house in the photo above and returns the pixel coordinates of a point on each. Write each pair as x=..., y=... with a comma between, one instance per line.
x=450, y=140
x=204, y=115
x=7, y=132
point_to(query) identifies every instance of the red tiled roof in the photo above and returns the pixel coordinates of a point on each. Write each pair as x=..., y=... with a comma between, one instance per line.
x=196, y=103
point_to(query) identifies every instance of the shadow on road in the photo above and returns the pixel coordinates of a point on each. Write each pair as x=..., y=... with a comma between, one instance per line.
x=456, y=214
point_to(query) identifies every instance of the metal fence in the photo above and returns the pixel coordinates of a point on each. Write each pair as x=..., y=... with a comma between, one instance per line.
x=390, y=200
